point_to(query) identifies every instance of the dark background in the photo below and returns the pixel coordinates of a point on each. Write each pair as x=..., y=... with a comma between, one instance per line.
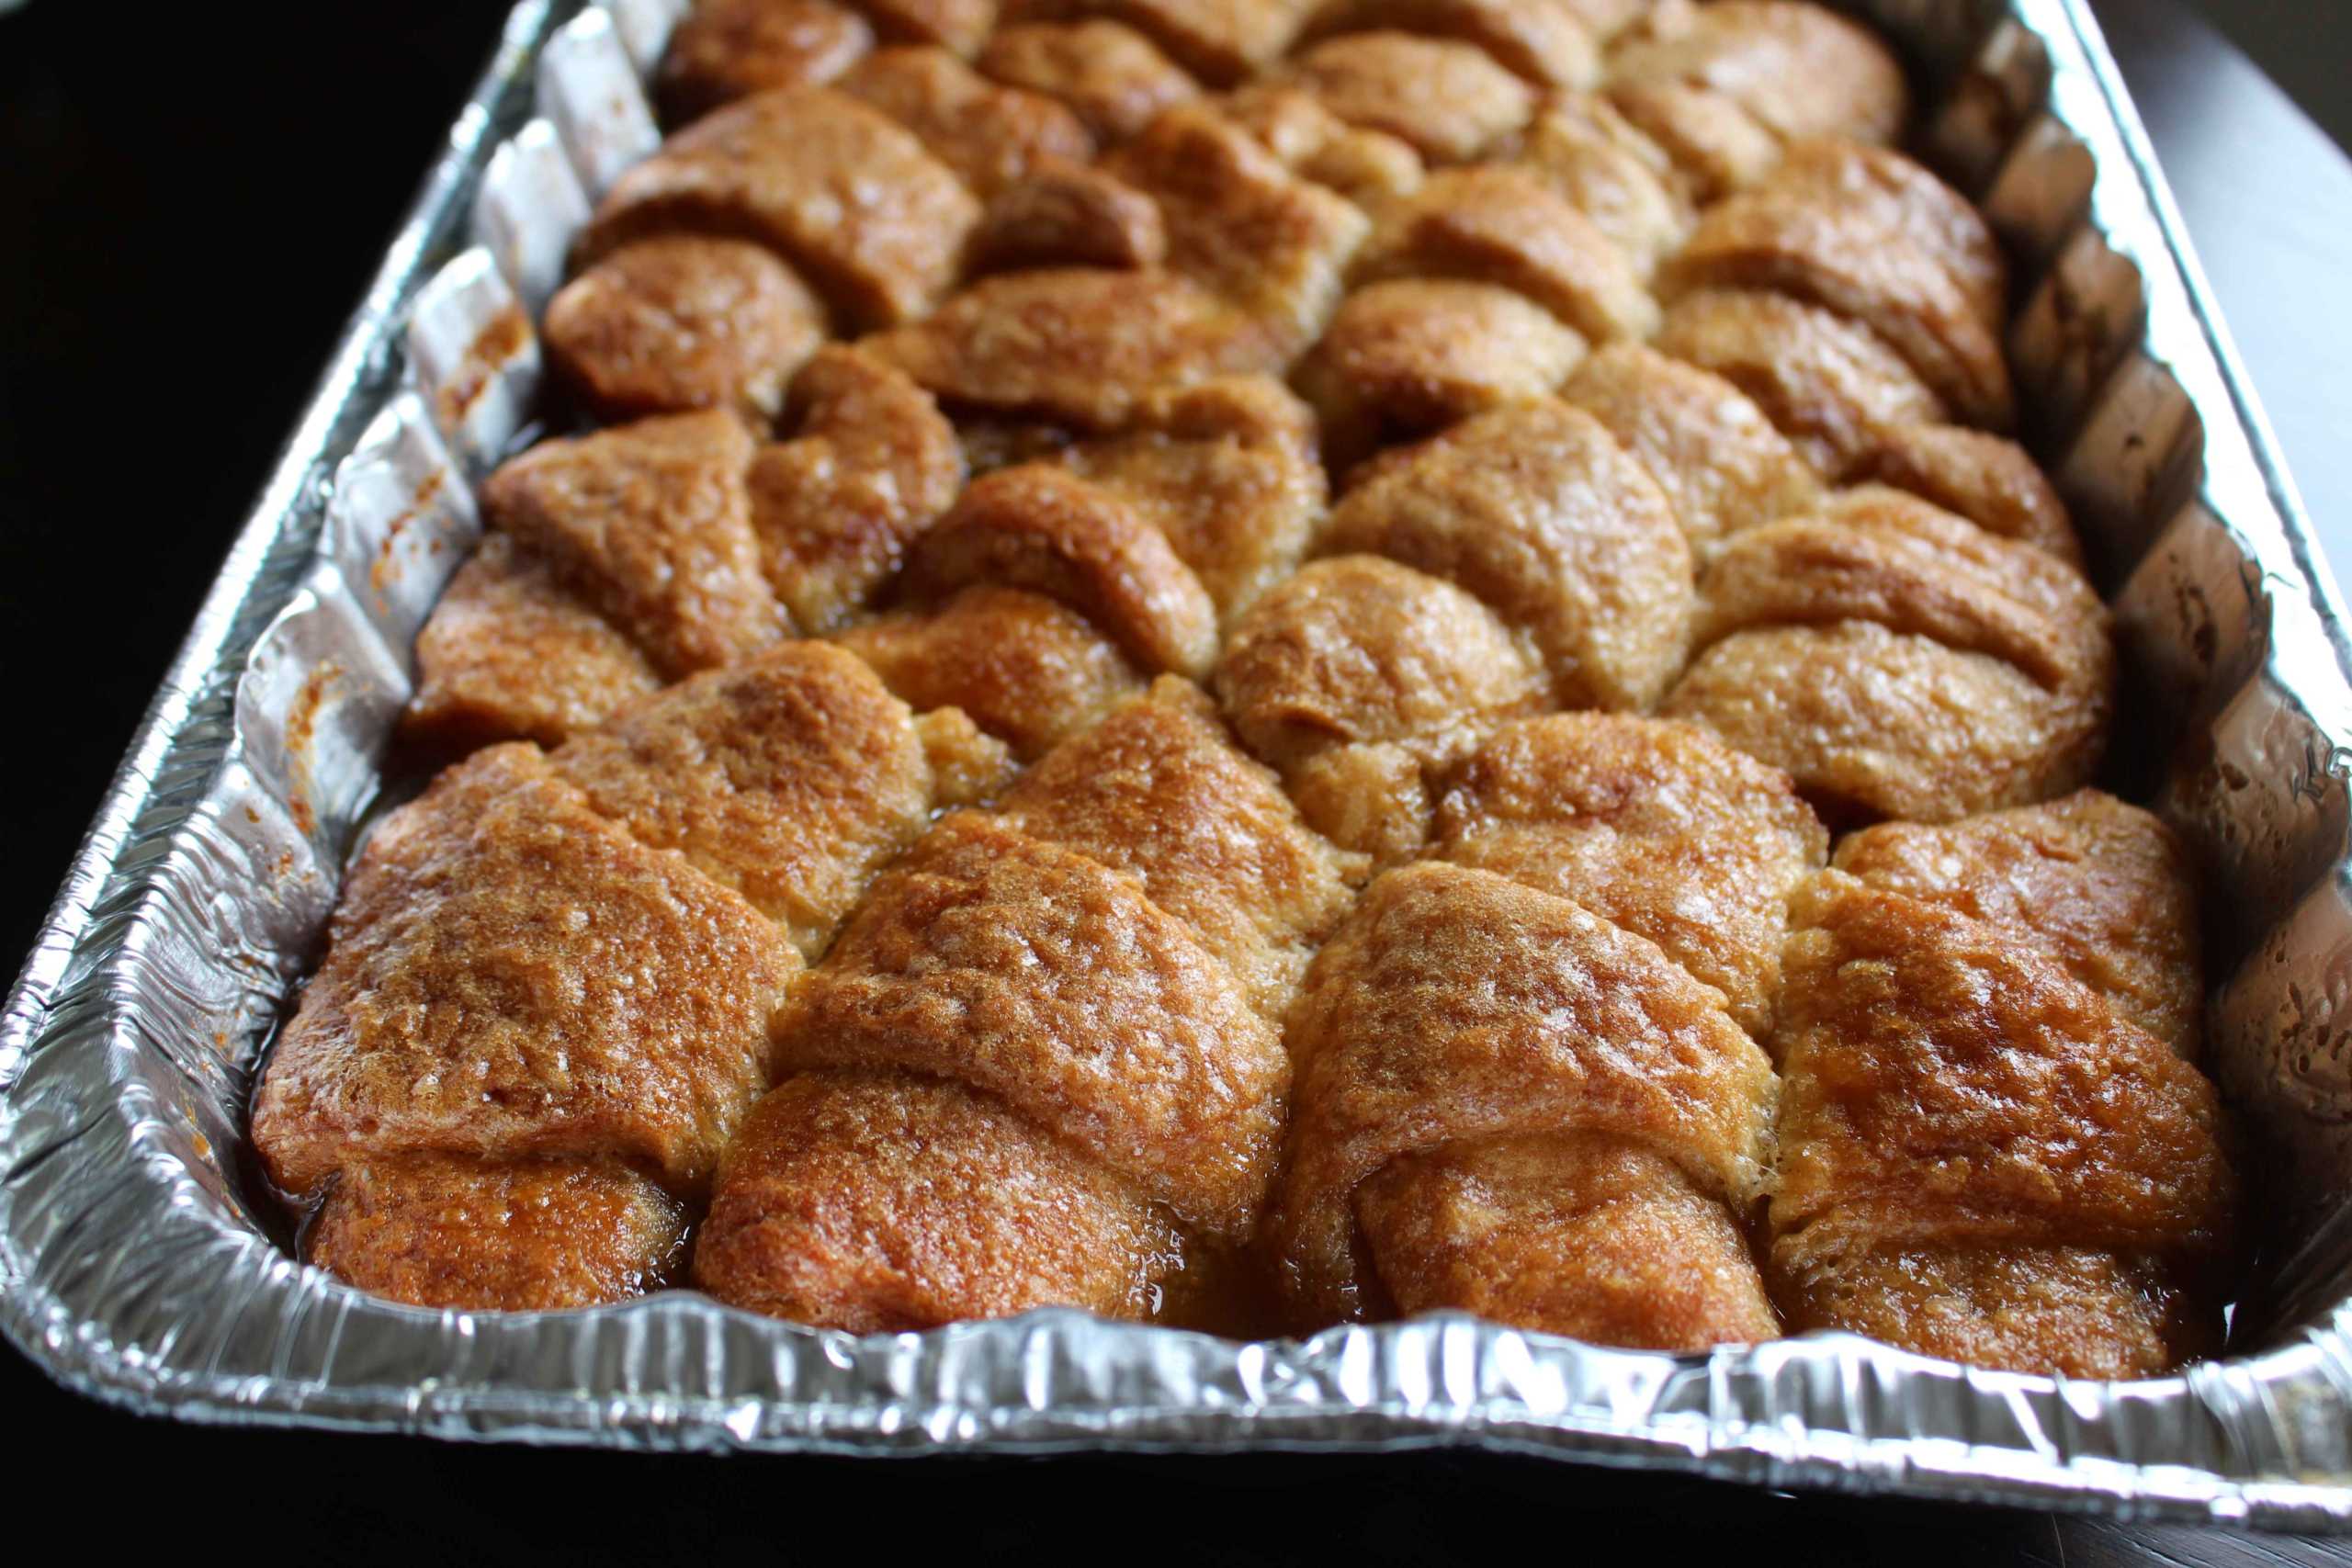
x=184, y=227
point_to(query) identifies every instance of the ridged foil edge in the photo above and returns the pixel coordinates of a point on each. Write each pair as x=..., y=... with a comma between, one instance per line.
x=131, y=1270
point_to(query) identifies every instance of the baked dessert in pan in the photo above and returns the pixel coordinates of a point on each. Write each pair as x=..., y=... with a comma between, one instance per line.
x=1259, y=664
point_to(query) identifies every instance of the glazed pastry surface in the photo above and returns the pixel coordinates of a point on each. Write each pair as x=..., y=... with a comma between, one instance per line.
x=1251, y=664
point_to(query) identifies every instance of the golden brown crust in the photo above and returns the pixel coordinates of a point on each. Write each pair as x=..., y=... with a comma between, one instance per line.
x=1355, y=648
x=1218, y=40
x=650, y=523
x=1075, y=345
x=1456, y=1005
x=1070, y=214
x=1900, y=662
x=1536, y=511
x=837, y=508
x=882, y=1202
x=1111, y=76
x=1874, y=722
x=1654, y=826
x=1714, y=454
x=1156, y=790
x=1842, y=257
x=2104, y=887
x=1543, y=41
x=520, y=1235
x=1359, y=679
x=680, y=322
x=960, y=26
x=991, y=136
x=1497, y=223
x=789, y=778
x=1899, y=197
x=846, y=195
x=1243, y=225
x=1949, y=1088
x=725, y=49
x=1581, y=1234
x=510, y=654
x=1447, y=99
x=2076, y=1311
x=1881, y=554
x=1613, y=173
x=511, y=975
x=1714, y=146
x=1986, y=478
x=1407, y=357
x=1227, y=471
x=1024, y=668
x=1043, y=977
x=1040, y=527
x=1831, y=386
x=1800, y=68
x=1368, y=167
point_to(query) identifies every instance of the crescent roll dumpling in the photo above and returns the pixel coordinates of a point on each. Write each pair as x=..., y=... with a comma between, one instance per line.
x=1716, y=146
x=1829, y=384
x=991, y=136
x=528, y=1032
x=682, y=322
x=1076, y=345
x=1900, y=662
x=529, y=1236
x=2100, y=886
x=1218, y=40
x=1533, y=509
x=873, y=465
x=846, y=195
x=510, y=653
x=1028, y=669
x=1843, y=257
x=1654, y=826
x=790, y=778
x=1158, y=791
x=955, y=25
x=650, y=523
x=1369, y=167
x=1359, y=680
x=547, y=998
x=725, y=49
x=1801, y=69
x=1497, y=223
x=1545, y=41
x=1407, y=357
x=1586, y=149
x=1074, y=1023
x=1226, y=470
x=1111, y=76
x=1986, y=479
x=1714, y=454
x=1446, y=98
x=462, y=1009
x=1242, y=225
x=1070, y=214
x=1040, y=527
x=1981, y=1158
x=1506, y=1103
x=1899, y=197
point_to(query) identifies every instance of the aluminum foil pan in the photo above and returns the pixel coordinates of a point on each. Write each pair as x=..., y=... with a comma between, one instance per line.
x=137, y=1268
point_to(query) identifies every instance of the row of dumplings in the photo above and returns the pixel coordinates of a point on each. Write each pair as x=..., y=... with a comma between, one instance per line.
x=1648, y=381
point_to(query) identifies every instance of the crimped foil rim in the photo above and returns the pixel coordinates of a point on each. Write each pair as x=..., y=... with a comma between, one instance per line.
x=128, y=1278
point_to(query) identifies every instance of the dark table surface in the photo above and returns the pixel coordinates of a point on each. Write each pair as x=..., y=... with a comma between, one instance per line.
x=183, y=245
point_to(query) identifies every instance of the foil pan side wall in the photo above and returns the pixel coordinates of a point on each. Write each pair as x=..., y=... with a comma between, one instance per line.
x=135, y=1270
